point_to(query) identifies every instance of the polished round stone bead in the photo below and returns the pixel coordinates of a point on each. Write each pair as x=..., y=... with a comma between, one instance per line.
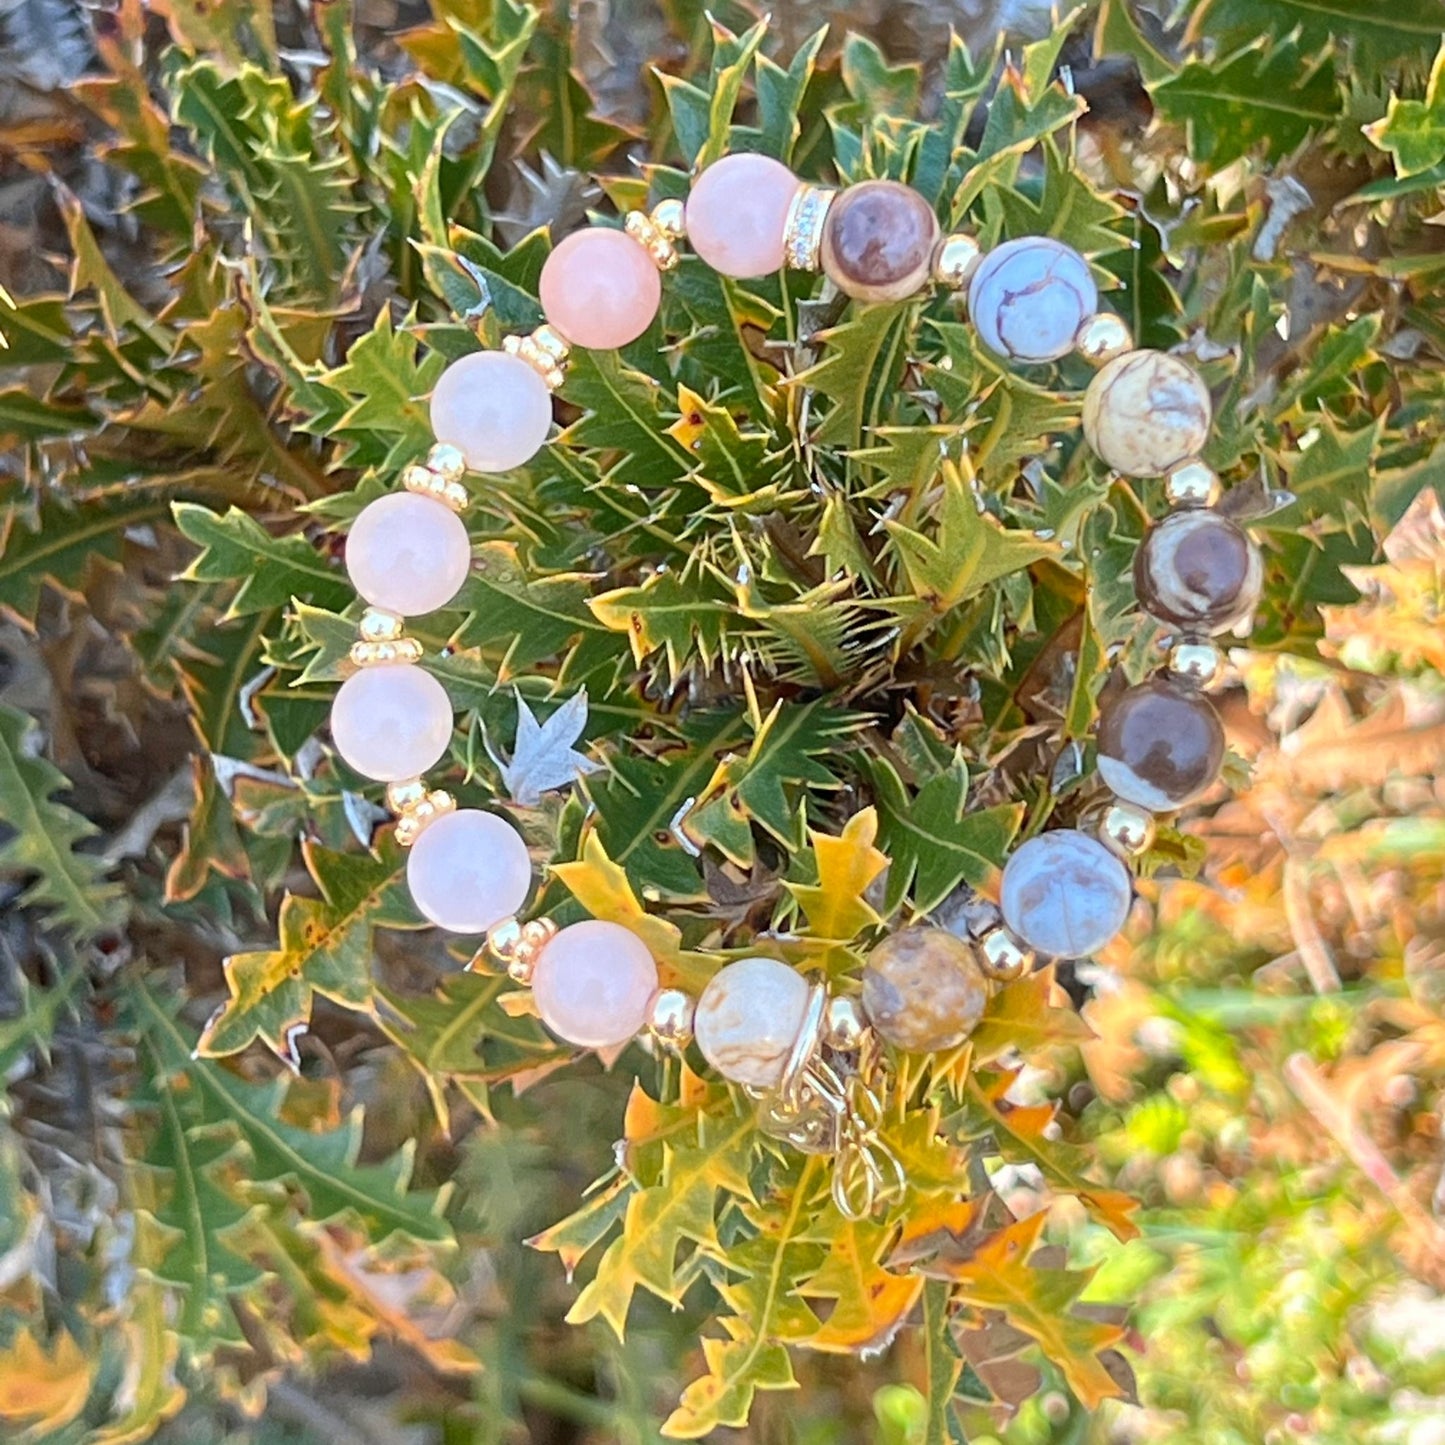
x=1028, y=298
x=408, y=554
x=878, y=241
x=391, y=722
x=1160, y=745
x=593, y=984
x=600, y=289
x=493, y=408
x=749, y=1018
x=1199, y=570
x=1145, y=412
x=468, y=871
x=1065, y=894
x=737, y=213
x=924, y=990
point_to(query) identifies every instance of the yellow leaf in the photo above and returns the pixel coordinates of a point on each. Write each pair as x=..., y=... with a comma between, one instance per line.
x=870, y=1301
x=601, y=887
x=835, y=908
x=41, y=1390
x=1023, y=1015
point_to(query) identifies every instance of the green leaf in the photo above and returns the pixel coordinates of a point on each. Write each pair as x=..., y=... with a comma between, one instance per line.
x=326, y=947
x=1413, y=131
x=67, y=887
x=323, y=1164
x=1267, y=97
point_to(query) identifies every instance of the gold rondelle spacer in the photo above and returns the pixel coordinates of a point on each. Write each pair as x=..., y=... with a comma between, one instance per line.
x=1192, y=484
x=379, y=625
x=428, y=483
x=1103, y=337
x=414, y=819
x=956, y=260
x=447, y=462
x=1197, y=661
x=1005, y=957
x=803, y=230
x=652, y=238
x=669, y=1018
x=1126, y=830
x=545, y=351
x=401, y=796
x=379, y=654
x=520, y=945
x=844, y=1024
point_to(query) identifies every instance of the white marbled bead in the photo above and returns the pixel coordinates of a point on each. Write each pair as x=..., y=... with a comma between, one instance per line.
x=391, y=722
x=1028, y=298
x=494, y=408
x=593, y=983
x=748, y=1020
x=468, y=871
x=1146, y=411
x=1065, y=894
x=408, y=554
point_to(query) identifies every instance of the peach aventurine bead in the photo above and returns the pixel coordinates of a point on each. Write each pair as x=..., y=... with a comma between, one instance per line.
x=737, y=215
x=391, y=722
x=600, y=289
x=593, y=982
x=494, y=408
x=408, y=554
x=468, y=871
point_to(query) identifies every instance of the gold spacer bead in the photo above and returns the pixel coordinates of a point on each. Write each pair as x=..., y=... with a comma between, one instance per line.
x=1126, y=830
x=447, y=462
x=380, y=654
x=404, y=795
x=1103, y=337
x=421, y=815
x=1192, y=484
x=845, y=1025
x=652, y=238
x=379, y=625
x=1005, y=957
x=670, y=1018
x=956, y=260
x=670, y=217
x=1196, y=661
x=425, y=482
x=519, y=945
x=803, y=230
x=545, y=351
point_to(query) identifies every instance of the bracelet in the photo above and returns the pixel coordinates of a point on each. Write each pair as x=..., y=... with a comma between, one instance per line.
x=813, y=1060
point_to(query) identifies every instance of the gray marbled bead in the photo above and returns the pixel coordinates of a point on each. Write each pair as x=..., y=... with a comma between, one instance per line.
x=1029, y=297
x=1065, y=894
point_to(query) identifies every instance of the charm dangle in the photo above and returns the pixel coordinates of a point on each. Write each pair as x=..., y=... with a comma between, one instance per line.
x=832, y=1101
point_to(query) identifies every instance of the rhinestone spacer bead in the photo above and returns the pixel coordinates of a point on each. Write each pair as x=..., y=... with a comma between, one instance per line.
x=803, y=230
x=425, y=481
x=365, y=653
x=653, y=237
x=1005, y=957
x=544, y=351
x=519, y=946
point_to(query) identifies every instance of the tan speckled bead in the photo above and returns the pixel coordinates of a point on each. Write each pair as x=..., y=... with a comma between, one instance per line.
x=1145, y=412
x=924, y=990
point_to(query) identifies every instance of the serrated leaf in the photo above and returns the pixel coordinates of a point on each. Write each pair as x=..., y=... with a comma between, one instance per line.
x=1374, y=36
x=68, y=888
x=43, y=1388
x=1024, y=1015
x=1413, y=131
x=834, y=907
x=544, y=758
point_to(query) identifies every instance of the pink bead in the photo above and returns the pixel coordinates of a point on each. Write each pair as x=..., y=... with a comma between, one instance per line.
x=593, y=984
x=391, y=722
x=494, y=408
x=468, y=871
x=408, y=554
x=737, y=213
x=600, y=289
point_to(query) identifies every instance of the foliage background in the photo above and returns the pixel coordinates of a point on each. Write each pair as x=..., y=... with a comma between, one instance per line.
x=222, y=231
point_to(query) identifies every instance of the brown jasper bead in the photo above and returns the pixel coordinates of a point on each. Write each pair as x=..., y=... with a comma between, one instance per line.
x=924, y=990
x=1198, y=570
x=878, y=241
x=1160, y=745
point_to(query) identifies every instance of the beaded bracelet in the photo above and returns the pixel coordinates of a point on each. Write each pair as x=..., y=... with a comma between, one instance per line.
x=814, y=1061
